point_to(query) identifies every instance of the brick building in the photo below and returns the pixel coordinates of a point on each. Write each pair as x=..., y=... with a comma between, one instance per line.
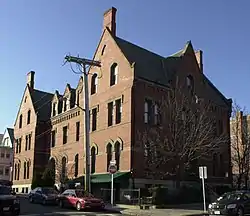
x=31, y=132
x=240, y=147
x=129, y=76
x=123, y=92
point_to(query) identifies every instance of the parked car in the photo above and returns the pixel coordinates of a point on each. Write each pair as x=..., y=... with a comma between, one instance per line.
x=79, y=199
x=232, y=203
x=43, y=195
x=9, y=203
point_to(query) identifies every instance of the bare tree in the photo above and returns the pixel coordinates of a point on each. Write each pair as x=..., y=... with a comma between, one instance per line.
x=187, y=133
x=59, y=169
x=240, y=145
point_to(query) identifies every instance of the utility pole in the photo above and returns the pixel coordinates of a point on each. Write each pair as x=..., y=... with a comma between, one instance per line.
x=84, y=64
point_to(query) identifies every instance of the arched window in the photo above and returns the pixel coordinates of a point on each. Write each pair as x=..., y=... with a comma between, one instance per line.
x=93, y=159
x=117, y=154
x=28, y=170
x=18, y=171
x=20, y=121
x=78, y=98
x=113, y=74
x=15, y=176
x=54, y=106
x=190, y=83
x=103, y=50
x=109, y=155
x=24, y=170
x=28, y=117
x=63, y=176
x=94, y=82
x=76, y=164
x=146, y=112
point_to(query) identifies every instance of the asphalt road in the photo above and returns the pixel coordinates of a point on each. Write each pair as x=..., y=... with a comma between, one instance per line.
x=28, y=209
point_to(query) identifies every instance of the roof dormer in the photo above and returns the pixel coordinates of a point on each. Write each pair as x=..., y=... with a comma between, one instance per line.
x=56, y=104
x=78, y=92
x=68, y=98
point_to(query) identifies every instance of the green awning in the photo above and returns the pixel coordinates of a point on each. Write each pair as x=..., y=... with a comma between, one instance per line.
x=106, y=178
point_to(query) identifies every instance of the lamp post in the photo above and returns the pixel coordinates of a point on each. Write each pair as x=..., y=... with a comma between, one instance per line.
x=84, y=63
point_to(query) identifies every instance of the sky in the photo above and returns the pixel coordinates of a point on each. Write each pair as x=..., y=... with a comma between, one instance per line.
x=36, y=35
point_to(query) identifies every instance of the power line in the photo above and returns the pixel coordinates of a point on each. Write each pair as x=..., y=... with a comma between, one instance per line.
x=106, y=101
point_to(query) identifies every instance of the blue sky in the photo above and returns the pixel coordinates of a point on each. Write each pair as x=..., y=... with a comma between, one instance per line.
x=36, y=35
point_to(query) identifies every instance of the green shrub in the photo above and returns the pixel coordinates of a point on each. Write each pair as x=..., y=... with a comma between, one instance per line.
x=48, y=178
x=36, y=181
x=159, y=195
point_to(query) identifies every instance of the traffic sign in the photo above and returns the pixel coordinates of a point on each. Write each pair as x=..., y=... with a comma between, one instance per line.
x=203, y=172
x=112, y=167
x=203, y=176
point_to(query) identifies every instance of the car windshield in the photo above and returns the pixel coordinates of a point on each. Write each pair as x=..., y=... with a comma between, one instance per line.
x=5, y=190
x=230, y=196
x=82, y=193
x=49, y=191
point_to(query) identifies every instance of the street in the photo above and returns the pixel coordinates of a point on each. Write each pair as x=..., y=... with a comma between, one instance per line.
x=28, y=209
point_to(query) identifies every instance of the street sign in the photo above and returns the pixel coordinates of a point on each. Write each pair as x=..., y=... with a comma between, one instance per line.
x=112, y=171
x=203, y=172
x=203, y=176
x=112, y=167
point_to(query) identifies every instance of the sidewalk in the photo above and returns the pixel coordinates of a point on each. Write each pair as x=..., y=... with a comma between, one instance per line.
x=180, y=211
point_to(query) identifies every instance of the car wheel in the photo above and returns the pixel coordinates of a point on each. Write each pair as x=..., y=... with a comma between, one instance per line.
x=61, y=204
x=44, y=202
x=17, y=212
x=78, y=206
x=240, y=212
x=31, y=199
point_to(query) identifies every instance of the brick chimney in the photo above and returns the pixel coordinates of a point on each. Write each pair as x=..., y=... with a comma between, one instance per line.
x=31, y=79
x=199, y=58
x=109, y=20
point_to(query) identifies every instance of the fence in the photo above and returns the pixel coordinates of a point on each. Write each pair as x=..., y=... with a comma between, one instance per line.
x=121, y=196
x=106, y=195
x=130, y=196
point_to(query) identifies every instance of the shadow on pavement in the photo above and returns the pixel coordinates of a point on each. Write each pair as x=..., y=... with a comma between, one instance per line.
x=193, y=206
x=28, y=208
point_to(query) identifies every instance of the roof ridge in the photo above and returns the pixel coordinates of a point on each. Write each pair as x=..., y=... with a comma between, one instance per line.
x=43, y=91
x=140, y=47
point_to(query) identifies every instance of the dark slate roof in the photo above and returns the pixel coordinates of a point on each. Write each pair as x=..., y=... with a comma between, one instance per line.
x=148, y=65
x=42, y=103
x=11, y=134
x=156, y=68
x=1, y=137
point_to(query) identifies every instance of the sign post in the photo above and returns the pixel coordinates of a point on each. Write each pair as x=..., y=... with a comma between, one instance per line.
x=112, y=171
x=203, y=176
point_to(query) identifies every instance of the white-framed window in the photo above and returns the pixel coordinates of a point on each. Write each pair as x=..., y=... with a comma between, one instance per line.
x=67, y=103
x=54, y=108
x=114, y=74
x=94, y=84
x=146, y=112
x=156, y=114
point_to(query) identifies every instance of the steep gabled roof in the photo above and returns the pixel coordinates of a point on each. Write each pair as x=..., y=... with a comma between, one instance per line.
x=42, y=103
x=153, y=67
x=149, y=65
x=11, y=134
